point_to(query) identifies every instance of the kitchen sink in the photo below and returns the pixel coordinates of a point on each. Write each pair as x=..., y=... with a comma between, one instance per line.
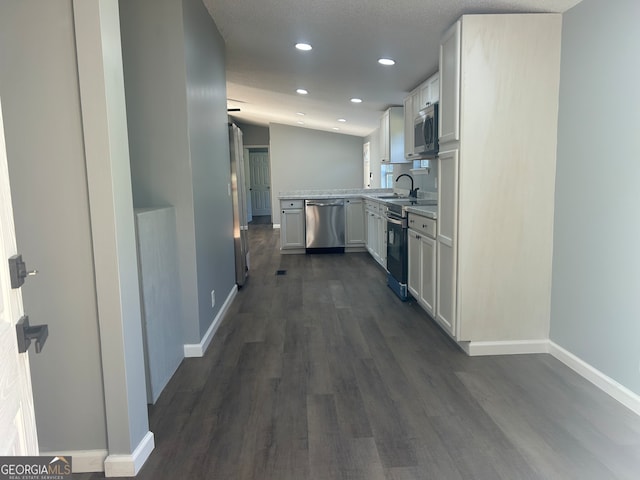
x=389, y=197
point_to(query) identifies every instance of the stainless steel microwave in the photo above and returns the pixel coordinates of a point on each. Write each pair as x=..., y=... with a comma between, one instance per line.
x=425, y=139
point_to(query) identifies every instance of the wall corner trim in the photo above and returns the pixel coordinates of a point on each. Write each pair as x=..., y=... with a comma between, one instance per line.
x=605, y=383
x=84, y=461
x=192, y=350
x=130, y=465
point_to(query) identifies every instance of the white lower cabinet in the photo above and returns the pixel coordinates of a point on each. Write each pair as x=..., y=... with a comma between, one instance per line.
x=292, y=223
x=372, y=233
x=428, y=284
x=381, y=223
x=376, y=232
x=414, y=247
x=446, y=263
x=422, y=262
x=355, y=222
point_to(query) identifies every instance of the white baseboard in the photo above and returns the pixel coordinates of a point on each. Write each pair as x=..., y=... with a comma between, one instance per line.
x=198, y=349
x=276, y=225
x=605, y=383
x=130, y=465
x=512, y=347
x=83, y=461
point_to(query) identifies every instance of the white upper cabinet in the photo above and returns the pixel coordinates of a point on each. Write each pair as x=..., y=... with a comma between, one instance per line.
x=425, y=93
x=434, y=89
x=429, y=92
x=392, y=136
x=409, y=118
x=384, y=137
x=449, y=123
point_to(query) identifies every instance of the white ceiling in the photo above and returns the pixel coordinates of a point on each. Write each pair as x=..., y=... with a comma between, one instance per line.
x=348, y=36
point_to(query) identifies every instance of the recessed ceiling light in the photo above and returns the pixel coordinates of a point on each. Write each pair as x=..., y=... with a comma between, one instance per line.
x=341, y=120
x=302, y=114
x=301, y=91
x=303, y=46
x=356, y=100
x=386, y=61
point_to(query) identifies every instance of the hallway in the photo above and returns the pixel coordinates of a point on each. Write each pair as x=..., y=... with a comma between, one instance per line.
x=322, y=373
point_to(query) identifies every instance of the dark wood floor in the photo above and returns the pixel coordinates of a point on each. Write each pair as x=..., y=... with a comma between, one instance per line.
x=260, y=220
x=322, y=373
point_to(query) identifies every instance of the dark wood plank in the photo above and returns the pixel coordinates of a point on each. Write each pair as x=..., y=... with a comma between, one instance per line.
x=391, y=430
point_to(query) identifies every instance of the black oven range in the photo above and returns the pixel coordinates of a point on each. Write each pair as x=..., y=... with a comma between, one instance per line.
x=397, y=247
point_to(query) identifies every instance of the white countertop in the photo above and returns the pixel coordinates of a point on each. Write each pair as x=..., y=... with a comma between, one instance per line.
x=366, y=193
x=334, y=193
x=429, y=211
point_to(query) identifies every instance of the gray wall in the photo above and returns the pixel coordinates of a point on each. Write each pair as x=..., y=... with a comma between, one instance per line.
x=210, y=164
x=596, y=266
x=176, y=109
x=155, y=76
x=40, y=99
x=253, y=134
x=307, y=159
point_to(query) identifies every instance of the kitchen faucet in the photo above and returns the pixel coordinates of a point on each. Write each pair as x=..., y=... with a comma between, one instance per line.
x=413, y=192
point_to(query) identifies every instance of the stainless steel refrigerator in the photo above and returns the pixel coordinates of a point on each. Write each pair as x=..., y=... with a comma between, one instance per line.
x=239, y=201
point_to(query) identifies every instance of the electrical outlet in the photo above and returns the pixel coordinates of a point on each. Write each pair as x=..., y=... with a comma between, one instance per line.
x=213, y=298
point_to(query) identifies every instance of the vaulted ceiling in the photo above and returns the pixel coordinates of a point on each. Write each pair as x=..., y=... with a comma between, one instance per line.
x=348, y=37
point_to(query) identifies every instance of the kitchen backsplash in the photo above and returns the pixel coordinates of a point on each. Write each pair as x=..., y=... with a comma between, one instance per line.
x=426, y=183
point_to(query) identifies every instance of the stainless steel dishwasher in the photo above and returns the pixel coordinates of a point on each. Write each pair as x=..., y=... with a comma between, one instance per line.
x=325, y=225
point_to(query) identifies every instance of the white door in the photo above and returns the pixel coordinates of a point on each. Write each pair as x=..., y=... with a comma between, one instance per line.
x=260, y=176
x=247, y=183
x=17, y=420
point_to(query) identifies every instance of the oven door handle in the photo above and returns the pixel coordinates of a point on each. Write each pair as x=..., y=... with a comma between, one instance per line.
x=394, y=221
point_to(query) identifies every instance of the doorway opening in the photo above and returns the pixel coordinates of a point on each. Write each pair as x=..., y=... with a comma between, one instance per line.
x=259, y=192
